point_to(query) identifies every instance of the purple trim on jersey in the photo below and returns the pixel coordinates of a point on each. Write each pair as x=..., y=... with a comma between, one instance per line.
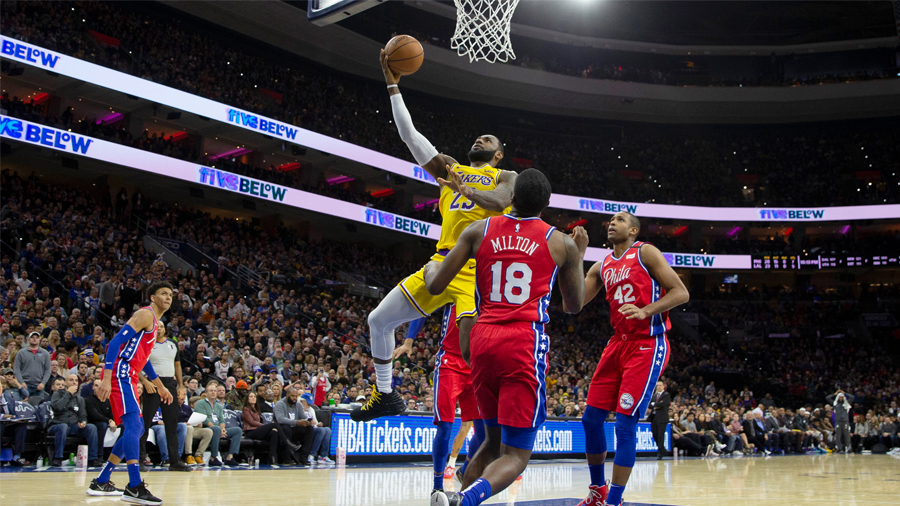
x=445, y=327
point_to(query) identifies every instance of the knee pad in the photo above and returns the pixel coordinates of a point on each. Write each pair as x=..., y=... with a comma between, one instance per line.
x=626, y=440
x=594, y=433
x=519, y=437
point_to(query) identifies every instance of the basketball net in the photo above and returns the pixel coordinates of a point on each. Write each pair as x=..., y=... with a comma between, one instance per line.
x=482, y=29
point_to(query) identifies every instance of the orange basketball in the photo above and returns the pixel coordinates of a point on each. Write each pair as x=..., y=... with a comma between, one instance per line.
x=404, y=54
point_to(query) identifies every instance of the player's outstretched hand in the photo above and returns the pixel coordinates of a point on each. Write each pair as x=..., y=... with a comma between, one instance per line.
x=165, y=395
x=633, y=312
x=389, y=76
x=455, y=183
x=403, y=349
x=580, y=236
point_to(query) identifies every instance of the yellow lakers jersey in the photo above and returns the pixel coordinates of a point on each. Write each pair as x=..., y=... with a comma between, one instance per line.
x=457, y=211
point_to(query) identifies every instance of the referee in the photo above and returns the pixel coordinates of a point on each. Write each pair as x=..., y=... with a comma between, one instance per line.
x=166, y=361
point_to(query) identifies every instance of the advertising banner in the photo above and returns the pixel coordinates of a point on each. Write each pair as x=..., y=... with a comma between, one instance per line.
x=413, y=435
x=35, y=56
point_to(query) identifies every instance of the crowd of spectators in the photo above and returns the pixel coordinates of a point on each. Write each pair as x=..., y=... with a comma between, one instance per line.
x=734, y=167
x=72, y=272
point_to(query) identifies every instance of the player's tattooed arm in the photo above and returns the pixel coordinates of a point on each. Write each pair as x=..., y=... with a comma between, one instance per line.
x=438, y=275
x=495, y=200
x=662, y=272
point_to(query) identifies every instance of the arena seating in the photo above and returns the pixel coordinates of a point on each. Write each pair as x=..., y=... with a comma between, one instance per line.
x=59, y=237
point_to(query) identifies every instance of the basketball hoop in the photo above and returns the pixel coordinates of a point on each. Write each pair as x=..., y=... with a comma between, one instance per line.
x=482, y=29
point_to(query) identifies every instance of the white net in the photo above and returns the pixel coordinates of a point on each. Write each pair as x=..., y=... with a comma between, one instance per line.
x=482, y=29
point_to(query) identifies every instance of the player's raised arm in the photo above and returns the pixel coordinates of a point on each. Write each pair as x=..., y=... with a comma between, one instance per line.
x=438, y=275
x=571, y=272
x=495, y=200
x=421, y=148
x=662, y=272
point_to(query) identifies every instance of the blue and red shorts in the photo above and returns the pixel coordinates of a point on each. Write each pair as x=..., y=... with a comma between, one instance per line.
x=452, y=385
x=627, y=373
x=123, y=394
x=509, y=370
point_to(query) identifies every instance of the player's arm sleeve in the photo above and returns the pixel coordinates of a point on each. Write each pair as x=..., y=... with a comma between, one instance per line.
x=112, y=349
x=415, y=327
x=148, y=370
x=422, y=150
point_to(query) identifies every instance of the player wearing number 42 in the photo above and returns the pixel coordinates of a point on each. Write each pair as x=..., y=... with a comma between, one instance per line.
x=641, y=288
x=518, y=258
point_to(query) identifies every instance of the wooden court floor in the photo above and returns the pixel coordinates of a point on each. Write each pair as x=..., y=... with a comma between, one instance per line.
x=846, y=480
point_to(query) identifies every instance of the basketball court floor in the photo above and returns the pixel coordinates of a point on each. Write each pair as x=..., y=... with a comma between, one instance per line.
x=847, y=480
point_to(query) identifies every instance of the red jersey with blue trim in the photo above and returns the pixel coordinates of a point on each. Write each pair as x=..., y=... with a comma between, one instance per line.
x=628, y=281
x=133, y=355
x=514, y=271
x=449, y=354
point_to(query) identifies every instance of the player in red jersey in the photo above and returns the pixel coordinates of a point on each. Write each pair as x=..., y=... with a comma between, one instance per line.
x=452, y=386
x=126, y=357
x=641, y=288
x=518, y=258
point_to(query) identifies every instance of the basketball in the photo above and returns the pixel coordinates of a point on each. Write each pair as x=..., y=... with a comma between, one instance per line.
x=404, y=54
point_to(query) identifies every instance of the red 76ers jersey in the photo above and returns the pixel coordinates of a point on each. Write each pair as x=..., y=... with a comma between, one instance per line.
x=628, y=281
x=133, y=356
x=514, y=271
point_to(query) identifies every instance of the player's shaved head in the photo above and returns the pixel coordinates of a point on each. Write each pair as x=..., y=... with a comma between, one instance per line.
x=633, y=220
x=531, y=193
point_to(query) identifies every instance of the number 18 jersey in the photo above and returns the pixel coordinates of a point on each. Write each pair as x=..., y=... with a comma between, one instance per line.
x=514, y=271
x=628, y=281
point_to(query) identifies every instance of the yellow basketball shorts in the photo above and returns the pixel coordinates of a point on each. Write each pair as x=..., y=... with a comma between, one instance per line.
x=461, y=291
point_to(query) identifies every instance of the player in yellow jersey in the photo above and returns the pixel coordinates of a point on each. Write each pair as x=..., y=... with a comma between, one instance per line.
x=468, y=194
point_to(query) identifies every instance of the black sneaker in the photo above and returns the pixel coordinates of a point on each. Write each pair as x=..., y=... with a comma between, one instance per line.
x=140, y=495
x=231, y=463
x=215, y=462
x=108, y=488
x=55, y=462
x=379, y=405
x=441, y=498
x=179, y=466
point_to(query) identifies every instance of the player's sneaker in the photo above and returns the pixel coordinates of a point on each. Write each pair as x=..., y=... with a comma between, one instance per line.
x=596, y=496
x=108, y=488
x=449, y=472
x=140, y=495
x=459, y=475
x=441, y=498
x=379, y=405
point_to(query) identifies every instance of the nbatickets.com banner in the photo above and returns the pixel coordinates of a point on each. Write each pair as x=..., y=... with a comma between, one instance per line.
x=35, y=56
x=414, y=435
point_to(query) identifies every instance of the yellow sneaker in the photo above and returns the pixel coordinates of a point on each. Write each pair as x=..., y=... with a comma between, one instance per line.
x=190, y=460
x=198, y=460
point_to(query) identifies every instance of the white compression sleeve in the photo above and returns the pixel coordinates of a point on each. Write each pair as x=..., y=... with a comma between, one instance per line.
x=421, y=149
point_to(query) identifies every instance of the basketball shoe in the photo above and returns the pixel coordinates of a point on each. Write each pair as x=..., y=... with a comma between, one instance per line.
x=449, y=472
x=140, y=495
x=441, y=498
x=379, y=405
x=596, y=496
x=108, y=488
